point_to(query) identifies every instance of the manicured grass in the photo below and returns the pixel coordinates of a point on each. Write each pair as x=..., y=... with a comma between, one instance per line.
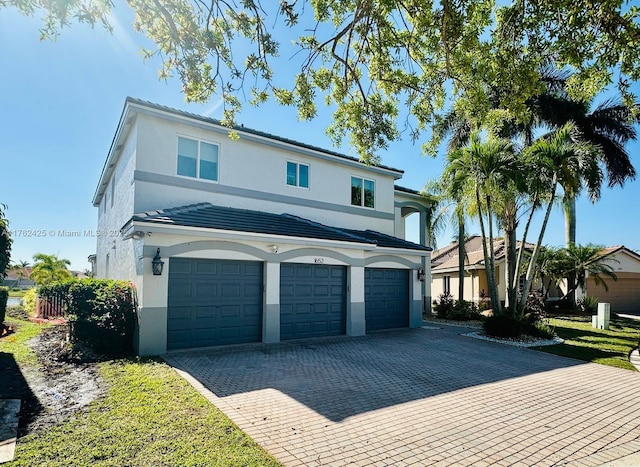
x=17, y=293
x=16, y=343
x=149, y=416
x=584, y=342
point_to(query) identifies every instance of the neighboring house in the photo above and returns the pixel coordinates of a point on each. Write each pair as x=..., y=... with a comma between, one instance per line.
x=262, y=238
x=16, y=280
x=624, y=293
x=445, y=277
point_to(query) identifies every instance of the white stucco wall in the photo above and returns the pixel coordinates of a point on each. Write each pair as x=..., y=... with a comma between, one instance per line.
x=622, y=262
x=113, y=214
x=261, y=170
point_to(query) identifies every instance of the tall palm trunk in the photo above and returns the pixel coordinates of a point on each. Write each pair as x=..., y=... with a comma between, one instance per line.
x=462, y=252
x=519, y=261
x=510, y=266
x=534, y=256
x=570, y=239
x=490, y=272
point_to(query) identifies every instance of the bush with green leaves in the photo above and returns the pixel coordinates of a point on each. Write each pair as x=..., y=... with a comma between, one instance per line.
x=587, y=305
x=461, y=310
x=29, y=301
x=102, y=313
x=4, y=296
x=533, y=322
x=503, y=325
x=443, y=305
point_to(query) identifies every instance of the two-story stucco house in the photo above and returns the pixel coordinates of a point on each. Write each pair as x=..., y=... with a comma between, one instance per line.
x=262, y=238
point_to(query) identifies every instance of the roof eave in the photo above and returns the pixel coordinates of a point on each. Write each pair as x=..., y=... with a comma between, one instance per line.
x=124, y=124
x=175, y=229
x=256, y=135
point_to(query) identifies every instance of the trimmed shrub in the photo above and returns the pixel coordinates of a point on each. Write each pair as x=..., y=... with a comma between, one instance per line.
x=465, y=311
x=102, y=313
x=448, y=308
x=502, y=326
x=444, y=305
x=4, y=296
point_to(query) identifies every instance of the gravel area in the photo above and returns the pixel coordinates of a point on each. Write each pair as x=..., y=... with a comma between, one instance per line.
x=524, y=341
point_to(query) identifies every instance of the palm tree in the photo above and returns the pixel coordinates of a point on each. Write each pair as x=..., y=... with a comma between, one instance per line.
x=588, y=261
x=442, y=201
x=609, y=127
x=560, y=158
x=476, y=173
x=49, y=268
x=550, y=267
x=20, y=268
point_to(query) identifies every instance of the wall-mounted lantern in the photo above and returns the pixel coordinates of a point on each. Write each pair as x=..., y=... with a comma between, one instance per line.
x=157, y=264
x=421, y=274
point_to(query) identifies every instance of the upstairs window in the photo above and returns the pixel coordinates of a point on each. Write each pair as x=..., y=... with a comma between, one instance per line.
x=297, y=174
x=362, y=192
x=197, y=159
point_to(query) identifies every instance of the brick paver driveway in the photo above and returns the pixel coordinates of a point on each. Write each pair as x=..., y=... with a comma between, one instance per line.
x=420, y=397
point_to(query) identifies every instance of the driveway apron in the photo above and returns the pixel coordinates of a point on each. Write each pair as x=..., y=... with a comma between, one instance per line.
x=426, y=396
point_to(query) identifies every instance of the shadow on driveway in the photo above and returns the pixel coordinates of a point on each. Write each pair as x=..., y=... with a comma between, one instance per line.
x=342, y=377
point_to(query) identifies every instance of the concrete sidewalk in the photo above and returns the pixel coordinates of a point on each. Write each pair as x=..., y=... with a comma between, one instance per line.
x=421, y=397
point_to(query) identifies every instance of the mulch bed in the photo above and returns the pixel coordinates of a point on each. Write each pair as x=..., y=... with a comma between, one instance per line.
x=65, y=381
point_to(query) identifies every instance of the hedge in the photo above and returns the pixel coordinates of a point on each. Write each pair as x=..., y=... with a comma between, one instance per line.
x=102, y=313
x=4, y=296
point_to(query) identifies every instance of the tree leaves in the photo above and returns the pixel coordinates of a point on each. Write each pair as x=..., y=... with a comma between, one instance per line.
x=399, y=63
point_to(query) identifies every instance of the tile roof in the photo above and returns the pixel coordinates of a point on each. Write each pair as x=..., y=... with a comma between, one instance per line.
x=387, y=241
x=447, y=257
x=209, y=216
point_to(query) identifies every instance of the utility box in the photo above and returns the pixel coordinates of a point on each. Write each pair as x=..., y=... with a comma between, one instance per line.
x=601, y=320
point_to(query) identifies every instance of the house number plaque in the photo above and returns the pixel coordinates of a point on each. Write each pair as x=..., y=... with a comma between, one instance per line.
x=318, y=260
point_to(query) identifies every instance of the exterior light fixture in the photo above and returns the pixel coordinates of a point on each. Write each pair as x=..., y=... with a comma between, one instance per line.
x=274, y=248
x=157, y=264
x=421, y=274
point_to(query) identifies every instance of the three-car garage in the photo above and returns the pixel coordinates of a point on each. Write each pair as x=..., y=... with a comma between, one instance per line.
x=220, y=302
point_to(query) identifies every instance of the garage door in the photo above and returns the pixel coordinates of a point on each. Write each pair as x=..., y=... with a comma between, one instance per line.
x=386, y=298
x=213, y=302
x=312, y=300
x=623, y=294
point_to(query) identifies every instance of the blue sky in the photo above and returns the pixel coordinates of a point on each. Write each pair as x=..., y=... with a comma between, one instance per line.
x=60, y=106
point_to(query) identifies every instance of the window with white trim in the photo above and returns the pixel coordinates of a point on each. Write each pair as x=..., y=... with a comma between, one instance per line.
x=297, y=174
x=362, y=192
x=197, y=159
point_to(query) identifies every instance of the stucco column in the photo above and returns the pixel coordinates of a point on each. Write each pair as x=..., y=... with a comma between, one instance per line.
x=398, y=223
x=271, y=308
x=356, y=325
x=415, y=314
x=152, y=310
x=426, y=264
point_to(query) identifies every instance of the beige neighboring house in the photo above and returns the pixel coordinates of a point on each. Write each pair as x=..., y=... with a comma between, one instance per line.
x=444, y=270
x=623, y=294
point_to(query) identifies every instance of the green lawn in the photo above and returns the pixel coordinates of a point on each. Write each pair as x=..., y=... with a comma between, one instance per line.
x=149, y=417
x=16, y=343
x=17, y=293
x=584, y=342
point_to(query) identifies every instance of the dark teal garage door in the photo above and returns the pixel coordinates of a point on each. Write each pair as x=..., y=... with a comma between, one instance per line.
x=312, y=300
x=386, y=298
x=213, y=302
